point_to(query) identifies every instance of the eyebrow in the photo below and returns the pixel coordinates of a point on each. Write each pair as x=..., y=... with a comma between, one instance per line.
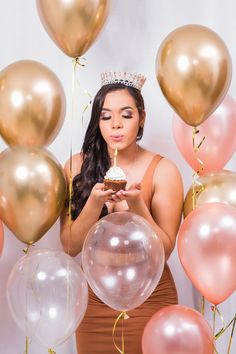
x=122, y=109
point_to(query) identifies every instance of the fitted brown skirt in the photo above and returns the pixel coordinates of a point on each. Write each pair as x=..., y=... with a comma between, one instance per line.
x=94, y=335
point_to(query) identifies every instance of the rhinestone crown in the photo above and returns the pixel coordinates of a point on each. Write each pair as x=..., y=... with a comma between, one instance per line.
x=122, y=77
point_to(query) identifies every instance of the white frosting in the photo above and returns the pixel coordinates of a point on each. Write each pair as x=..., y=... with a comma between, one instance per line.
x=116, y=173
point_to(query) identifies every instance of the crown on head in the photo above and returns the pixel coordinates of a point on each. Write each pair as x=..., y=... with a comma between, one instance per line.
x=122, y=77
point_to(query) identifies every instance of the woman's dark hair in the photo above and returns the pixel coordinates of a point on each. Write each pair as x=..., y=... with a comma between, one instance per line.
x=96, y=160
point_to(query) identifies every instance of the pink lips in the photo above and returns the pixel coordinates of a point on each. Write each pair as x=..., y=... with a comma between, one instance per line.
x=117, y=137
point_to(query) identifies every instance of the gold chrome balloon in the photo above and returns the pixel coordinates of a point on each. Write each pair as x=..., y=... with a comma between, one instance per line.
x=32, y=192
x=194, y=69
x=75, y=24
x=213, y=187
x=32, y=104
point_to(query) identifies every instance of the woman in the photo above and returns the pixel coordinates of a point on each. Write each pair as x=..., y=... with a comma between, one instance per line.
x=154, y=191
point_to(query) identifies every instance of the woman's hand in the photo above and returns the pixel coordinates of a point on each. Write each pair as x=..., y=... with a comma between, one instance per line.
x=99, y=195
x=131, y=195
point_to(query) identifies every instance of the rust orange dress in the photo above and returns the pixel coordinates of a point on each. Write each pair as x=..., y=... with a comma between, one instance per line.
x=94, y=335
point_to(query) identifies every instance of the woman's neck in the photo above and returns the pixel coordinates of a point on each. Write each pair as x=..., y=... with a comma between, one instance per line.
x=126, y=156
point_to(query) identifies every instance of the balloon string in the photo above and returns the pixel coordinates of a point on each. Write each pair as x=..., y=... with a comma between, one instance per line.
x=214, y=318
x=123, y=315
x=203, y=306
x=83, y=62
x=231, y=335
x=51, y=351
x=74, y=66
x=26, y=249
x=26, y=345
x=196, y=148
x=226, y=327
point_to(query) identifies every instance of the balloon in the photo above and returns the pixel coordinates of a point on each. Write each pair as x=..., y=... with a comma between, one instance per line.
x=32, y=192
x=73, y=25
x=123, y=260
x=194, y=69
x=177, y=330
x=219, y=145
x=32, y=104
x=213, y=187
x=207, y=248
x=1, y=237
x=47, y=295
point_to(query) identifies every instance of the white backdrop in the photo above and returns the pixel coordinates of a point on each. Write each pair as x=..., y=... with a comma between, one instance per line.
x=129, y=42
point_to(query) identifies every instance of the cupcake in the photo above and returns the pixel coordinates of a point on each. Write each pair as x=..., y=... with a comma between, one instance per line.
x=115, y=179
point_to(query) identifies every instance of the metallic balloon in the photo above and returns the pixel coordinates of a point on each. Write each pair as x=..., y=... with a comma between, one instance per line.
x=207, y=248
x=32, y=104
x=194, y=69
x=73, y=25
x=177, y=330
x=217, y=135
x=123, y=260
x=47, y=294
x=32, y=192
x=219, y=186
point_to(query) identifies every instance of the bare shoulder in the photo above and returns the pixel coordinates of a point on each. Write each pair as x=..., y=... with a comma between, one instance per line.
x=167, y=172
x=76, y=164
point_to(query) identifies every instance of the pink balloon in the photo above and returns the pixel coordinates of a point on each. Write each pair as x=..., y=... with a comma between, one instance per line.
x=1, y=237
x=123, y=260
x=219, y=145
x=207, y=249
x=177, y=330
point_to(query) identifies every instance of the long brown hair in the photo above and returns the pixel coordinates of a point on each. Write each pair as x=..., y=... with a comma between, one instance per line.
x=96, y=160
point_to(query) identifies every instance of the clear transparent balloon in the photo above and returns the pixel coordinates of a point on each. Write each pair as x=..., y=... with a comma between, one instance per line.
x=123, y=260
x=47, y=294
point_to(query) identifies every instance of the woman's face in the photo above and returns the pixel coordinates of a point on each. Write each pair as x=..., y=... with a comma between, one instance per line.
x=119, y=121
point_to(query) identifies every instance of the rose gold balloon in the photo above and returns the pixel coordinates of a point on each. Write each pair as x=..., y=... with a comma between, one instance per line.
x=219, y=145
x=207, y=248
x=213, y=187
x=177, y=330
x=1, y=237
x=194, y=69
x=32, y=192
x=73, y=25
x=32, y=104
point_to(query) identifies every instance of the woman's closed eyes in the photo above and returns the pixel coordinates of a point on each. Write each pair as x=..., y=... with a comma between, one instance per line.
x=126, y=115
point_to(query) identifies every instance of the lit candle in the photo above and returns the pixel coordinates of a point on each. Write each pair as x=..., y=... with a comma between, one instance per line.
x=115, y=155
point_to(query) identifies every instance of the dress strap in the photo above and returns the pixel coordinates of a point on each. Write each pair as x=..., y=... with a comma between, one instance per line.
x=147, y=181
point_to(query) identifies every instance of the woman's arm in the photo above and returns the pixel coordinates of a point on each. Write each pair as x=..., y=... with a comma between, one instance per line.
x=167, y=203
x=73, y=232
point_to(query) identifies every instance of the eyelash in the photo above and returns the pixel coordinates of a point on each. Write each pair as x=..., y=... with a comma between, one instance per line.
x=124, y=116
x=105, y=118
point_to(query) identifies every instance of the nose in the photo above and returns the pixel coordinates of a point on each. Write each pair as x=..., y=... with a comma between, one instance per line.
x=117, y=123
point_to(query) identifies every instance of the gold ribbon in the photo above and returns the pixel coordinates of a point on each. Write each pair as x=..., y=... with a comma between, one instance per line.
x=231, y=335
x=203, y=306
x=26, y=249
x=196, y=148
x=75, y=63
x=224, y=327
x=122, y=316
x=195, y=131
x=83, y=62
x=78, y=61
x=26, y=345
x=51, y=351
